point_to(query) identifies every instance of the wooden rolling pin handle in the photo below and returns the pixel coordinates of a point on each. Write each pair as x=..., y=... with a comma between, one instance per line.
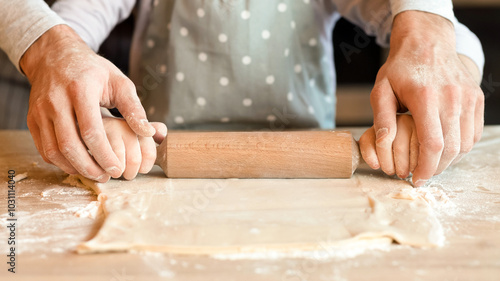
x=291, y=154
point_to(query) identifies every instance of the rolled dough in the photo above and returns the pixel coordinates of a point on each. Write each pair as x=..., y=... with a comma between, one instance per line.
x=204, y=217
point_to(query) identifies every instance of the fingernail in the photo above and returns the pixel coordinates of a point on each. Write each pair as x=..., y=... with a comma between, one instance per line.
x=102, y=178
x=374, y=163
x=419, y=183
x=163, y=131
x=114, y=171
x=381, y=133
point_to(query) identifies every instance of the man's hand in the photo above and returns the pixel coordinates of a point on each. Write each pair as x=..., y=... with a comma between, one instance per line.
x=69, y=84
x=424, y=75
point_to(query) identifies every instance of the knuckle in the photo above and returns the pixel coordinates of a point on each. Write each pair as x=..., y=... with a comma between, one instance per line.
x=134, y=161
x=453, y=90
x=470, y=102
x=44, y=107
x=375, y=93
x=148, y=157
x=51, y=153
x=128, y=84
x=479, y=102
x=149, y=153
x=434, y=145
x=76, y=86
x=119, y=151
x=92, y=135
x=480, y=97
x=124, y=84
x=30, y=121
x=65, y=147
x=426, y=93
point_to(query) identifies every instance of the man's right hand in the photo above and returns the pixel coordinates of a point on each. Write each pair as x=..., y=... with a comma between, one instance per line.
x=69, y=85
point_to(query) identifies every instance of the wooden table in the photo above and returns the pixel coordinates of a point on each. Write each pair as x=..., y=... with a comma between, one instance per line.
x=48, y=231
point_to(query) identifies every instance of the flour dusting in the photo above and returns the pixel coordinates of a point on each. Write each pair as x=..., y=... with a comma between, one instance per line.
x=325, y=253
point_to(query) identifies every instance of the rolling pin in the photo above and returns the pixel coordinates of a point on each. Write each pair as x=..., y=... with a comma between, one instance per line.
x=263, y=154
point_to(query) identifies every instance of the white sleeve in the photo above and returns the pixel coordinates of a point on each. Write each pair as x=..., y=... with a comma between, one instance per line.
x=467, y=42
x=443, y=8
x=93, y=20
x=22, y=22
x=469, y=45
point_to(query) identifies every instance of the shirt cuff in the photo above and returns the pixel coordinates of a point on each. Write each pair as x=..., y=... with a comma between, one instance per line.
x=26, y=29
x=468, y=44
x=30, y=37
x=442, y=8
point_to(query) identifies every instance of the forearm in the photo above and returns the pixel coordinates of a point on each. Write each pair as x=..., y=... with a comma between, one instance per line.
x=22, y=22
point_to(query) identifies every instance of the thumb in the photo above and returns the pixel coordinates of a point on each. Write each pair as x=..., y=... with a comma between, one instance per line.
x=384, y=105
x=161, y=132
x=128, y=103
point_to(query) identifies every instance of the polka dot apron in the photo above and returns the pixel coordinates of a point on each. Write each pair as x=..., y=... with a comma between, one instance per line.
x=238, y=64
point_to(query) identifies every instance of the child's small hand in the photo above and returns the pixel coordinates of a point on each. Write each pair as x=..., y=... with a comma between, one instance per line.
x=402, y=158
x=137, y=154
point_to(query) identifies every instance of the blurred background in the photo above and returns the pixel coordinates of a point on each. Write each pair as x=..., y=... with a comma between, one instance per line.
x=355, y=73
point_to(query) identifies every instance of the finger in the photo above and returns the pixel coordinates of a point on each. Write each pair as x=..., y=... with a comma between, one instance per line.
x=133, y=158
x=35, y=135
x=467, y=134
x=148, y=152
x=479, y=117
x=401, y=147
x=368, y=149
x=74, y=151
x=37, y=139
x=92, y=132
x=430, y=139
x=118, y=147
x=384, y=105
x=478, y=126
x=414, y=148
x=452, y=126
x=161, y=132
x=51, y=148
x=126, y=100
